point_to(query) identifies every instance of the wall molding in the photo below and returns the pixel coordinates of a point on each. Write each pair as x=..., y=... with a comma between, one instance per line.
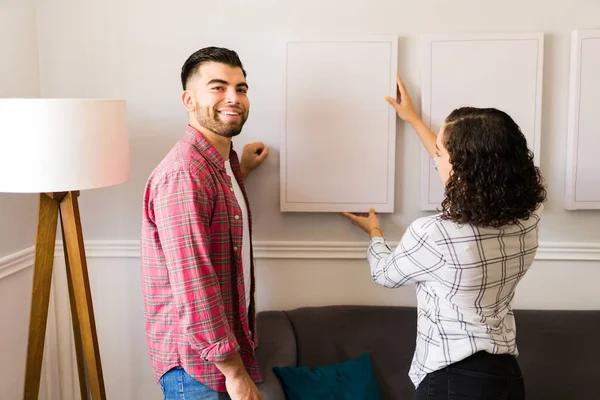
x=313, y=250
x=17, y=261
x=323, y=250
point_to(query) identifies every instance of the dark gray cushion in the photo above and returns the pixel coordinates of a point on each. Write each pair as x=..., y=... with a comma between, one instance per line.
x=328, y=335
x=559, y=353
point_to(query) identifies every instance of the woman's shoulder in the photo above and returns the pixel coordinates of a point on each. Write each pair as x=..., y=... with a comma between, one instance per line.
x=437, y=227
x=428, y=223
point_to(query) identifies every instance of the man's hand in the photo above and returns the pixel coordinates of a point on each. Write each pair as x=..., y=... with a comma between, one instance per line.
x=238, y=383
x=242, y=388
x=252, y=156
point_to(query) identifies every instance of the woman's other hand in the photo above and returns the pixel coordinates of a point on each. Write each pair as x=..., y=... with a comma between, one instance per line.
x=368, y=223
x=403, y=106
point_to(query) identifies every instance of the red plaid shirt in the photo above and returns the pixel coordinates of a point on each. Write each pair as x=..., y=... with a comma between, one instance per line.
x=192, y=275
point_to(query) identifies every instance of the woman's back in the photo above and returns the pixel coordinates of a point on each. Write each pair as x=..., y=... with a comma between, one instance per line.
x=465, y=279
x=464, y=306
x=482, y=265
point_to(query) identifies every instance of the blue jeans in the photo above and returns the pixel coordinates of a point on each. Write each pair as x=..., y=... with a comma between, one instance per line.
x=176, y=384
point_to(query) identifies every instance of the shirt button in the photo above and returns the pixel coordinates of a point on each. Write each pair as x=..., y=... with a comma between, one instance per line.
x=231, y=188
x=235, y=248
x=237, y=217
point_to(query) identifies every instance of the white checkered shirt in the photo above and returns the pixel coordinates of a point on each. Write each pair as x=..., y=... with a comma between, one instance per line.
x=465, y=280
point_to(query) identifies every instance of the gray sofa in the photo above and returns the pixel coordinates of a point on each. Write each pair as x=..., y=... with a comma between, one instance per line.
x=560, y=350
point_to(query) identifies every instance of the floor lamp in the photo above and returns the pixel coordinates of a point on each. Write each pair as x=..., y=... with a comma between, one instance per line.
x=58, y=147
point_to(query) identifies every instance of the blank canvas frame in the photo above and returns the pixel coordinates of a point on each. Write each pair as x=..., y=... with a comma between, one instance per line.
x=339, y=137
x=503, y=71
x=583, y=163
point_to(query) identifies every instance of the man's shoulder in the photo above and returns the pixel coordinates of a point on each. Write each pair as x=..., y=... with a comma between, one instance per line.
x=183, y=160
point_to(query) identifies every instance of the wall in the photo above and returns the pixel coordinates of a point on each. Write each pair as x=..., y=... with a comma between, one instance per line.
x=134, y=49
x=19, y=77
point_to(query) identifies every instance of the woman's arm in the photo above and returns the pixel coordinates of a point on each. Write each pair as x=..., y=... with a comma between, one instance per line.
x=406, y=111
x=415, y=258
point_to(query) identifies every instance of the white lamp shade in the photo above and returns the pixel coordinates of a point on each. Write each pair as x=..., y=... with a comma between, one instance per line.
x=59, y=145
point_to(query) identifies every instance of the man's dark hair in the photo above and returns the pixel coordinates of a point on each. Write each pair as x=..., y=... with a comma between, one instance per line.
x=494, y=181
x=209, y=54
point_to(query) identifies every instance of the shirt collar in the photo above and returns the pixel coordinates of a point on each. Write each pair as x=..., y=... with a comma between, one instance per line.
x=197, y=139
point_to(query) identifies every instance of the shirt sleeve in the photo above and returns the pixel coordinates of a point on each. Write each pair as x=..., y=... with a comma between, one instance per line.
x=415, y=259
x=183, y=212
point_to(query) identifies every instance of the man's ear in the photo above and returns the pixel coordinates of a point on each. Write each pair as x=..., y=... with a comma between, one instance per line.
x=188, y=101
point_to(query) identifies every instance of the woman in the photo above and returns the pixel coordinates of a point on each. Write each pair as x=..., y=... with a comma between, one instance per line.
x=467, y=260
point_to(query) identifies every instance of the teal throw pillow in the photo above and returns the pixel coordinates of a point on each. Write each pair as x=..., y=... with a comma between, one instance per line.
x=349, y=380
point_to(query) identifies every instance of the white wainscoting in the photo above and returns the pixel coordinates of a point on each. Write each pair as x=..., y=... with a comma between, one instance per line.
x=290, y=274
x=16, y=274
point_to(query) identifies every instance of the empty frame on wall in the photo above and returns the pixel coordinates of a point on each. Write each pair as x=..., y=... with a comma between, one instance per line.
x=502, y=71
x=583, y=143
x=339, y=139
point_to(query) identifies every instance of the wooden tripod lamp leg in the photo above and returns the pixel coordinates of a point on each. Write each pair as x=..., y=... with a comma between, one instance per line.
x=83, y=387
x=84, y=325
x=81, y=290
x=40, y=294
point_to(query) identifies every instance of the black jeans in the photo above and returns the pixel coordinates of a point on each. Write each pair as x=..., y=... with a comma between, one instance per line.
x=481, y=376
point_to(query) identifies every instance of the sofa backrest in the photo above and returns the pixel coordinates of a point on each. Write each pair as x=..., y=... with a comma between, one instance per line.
x=559, y=349
x=559, y=353
x=327, y=335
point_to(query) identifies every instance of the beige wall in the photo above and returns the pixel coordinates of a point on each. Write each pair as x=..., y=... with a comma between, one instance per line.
x=19, y=77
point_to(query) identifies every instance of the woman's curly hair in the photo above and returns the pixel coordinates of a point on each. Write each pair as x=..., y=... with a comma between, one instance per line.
x=493, y=181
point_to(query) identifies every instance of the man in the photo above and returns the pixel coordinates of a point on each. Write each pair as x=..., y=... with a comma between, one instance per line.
x=197, y=268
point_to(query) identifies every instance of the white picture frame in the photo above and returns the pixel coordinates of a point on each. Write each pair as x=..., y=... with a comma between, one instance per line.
x=338, y=140
x=500, y=70
x=582, y=182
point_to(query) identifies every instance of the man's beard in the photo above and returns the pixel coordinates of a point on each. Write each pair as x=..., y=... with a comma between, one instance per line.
x=218, y=126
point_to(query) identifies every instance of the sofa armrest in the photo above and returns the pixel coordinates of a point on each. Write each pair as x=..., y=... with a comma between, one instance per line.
x=276, y=347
